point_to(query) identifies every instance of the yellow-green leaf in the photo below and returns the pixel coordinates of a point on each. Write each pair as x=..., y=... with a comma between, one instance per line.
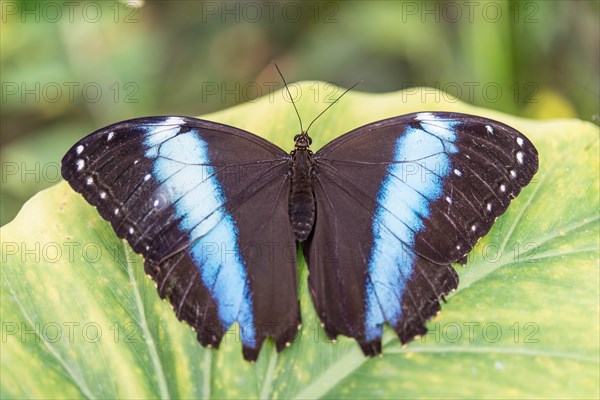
x=81, y=319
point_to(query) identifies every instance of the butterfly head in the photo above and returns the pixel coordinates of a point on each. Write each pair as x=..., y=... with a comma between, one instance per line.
x=302, y=141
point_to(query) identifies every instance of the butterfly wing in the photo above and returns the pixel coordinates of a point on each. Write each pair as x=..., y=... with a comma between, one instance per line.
x=206, y=205
x=397, y=202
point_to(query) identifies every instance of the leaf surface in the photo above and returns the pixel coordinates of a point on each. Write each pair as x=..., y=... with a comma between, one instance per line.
x=81, y=319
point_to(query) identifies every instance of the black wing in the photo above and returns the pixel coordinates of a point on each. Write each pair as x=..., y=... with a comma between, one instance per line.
x=397, y=202
x=206, y=205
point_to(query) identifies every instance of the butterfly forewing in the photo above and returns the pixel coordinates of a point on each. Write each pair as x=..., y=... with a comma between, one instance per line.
x=206, y=204
x=397, y=202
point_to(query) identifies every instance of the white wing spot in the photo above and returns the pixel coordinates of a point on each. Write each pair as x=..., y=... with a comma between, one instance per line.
x=80, y=164
x=89, y=180
x=148, y=176
x=147, y=247
x=110, y=136
x=520, y=157
x=116, y=211
x=79, y=149
x=131, y=231
x=136, y=161
x=473, y=228
x=520, y=141
x=173, y=121
x=156, y=202
x=449, y=200
x=489, y=129
x=513, y=173
x=458, y=247
x=424, y=116
x=457, y=172
x=489, y=206
x=503, y=188
x=102, y=195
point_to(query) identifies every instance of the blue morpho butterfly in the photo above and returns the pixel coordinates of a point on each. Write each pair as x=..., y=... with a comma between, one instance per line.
x=380, y=213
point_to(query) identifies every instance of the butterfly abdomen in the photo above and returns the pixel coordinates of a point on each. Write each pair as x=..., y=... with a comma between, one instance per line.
x=302, y=200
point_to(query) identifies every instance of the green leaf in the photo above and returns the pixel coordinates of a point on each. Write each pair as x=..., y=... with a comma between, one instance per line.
x=81, y=319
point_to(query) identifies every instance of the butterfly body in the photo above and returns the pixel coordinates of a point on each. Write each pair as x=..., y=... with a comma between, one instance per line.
x=381, y=212
x=302, y=200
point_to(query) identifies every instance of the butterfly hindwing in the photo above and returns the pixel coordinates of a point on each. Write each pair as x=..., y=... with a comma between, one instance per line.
x=206, y=205
x=397, y=202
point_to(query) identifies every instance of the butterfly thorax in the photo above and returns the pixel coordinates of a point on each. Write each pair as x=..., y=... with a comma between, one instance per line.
x=302, y=200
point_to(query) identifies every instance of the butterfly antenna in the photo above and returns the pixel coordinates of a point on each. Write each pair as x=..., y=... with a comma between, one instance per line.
x=288, y=90
x=329, y=106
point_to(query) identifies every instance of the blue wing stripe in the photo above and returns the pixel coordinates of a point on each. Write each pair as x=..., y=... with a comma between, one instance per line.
x=216, y=252
x=404, y=197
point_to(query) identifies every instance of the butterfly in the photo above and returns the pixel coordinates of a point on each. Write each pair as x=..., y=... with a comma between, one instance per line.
x=380, y=213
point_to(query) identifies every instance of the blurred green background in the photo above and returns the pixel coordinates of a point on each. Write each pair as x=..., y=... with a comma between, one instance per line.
x=69, y=68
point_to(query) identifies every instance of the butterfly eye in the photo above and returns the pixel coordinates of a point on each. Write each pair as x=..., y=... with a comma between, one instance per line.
x=297, y=137
x=309, y=140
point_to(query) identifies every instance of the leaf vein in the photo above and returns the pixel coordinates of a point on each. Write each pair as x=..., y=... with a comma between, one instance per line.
x=79, y=382
x=156, y=362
